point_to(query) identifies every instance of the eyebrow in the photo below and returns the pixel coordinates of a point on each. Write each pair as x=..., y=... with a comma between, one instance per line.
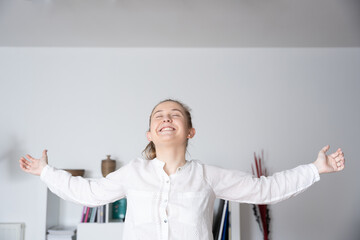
x=171, y=110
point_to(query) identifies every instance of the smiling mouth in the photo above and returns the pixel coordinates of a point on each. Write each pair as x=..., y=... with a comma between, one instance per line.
x=164, y=129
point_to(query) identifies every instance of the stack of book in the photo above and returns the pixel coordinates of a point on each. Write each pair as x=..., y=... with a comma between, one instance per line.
x=61, y=233
x=93, y=214
x=116, y=212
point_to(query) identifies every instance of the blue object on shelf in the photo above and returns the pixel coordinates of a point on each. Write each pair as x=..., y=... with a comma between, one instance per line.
x=119, y=209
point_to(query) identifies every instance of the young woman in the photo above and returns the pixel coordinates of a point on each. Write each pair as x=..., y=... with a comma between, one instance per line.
x=170, y=197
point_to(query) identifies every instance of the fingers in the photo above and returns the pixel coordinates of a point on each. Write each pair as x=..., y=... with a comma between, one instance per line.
x=326, y=148
x=340, y=159
x=24, y=168
x=340, y=167
x=337, y=159
x=44, y=154
x=30, y=157
x=25, y=164
x=340, y=162
x=337, y=154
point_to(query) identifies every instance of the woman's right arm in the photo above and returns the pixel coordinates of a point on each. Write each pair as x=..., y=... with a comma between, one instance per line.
x=88, y=192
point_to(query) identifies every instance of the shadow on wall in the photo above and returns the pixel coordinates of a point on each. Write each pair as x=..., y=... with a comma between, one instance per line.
x=357, y=233
x=9, y=159
x=246, y=219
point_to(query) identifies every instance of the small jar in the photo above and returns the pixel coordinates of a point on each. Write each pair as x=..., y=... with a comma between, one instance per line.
x=107, y=166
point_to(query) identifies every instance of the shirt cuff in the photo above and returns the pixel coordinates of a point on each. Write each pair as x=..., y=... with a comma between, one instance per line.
x=315, y=171
x=43, y=172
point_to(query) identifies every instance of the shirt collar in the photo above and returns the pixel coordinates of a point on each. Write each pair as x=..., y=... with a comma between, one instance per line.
x=160, y=165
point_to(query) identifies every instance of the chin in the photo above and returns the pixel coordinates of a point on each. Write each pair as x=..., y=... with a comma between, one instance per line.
x=171, y=142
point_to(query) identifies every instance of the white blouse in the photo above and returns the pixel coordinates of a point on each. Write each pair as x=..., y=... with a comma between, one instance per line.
x=179, y=206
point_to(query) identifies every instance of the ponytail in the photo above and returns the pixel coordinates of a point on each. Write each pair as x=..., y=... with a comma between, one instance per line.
x=150, y=151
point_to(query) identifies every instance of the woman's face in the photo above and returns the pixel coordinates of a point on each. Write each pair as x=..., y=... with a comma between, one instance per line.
x=169, y=125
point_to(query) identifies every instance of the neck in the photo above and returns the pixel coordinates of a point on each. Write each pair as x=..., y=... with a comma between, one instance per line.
x=174, y=157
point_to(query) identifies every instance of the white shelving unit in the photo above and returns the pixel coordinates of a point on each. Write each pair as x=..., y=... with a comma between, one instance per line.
x=52, y=210
x=112, y=229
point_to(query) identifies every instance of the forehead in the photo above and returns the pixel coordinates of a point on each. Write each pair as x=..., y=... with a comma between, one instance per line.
x=168, y=106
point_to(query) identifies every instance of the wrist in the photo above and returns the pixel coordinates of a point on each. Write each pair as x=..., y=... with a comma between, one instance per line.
x=318, y=167
x=41, y=169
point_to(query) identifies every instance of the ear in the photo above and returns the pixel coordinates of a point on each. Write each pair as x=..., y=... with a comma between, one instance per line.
x=148, y=136
x=191, y=133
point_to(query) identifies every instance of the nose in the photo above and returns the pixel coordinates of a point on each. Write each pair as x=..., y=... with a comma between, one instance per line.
x=167, y=118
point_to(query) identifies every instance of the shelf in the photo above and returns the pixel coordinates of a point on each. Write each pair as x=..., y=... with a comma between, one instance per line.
x=96, y=231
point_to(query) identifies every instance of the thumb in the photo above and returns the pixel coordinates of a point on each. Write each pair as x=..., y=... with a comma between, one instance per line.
x=44, y=155
x=325, y=149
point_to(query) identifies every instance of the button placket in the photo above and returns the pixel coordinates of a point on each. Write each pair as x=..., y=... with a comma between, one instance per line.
x=163, y=206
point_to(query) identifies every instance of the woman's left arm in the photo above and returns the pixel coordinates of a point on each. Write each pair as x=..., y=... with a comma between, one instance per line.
x=239, y=186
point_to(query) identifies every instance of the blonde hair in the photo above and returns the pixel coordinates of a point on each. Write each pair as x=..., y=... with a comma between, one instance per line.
x=150, y=150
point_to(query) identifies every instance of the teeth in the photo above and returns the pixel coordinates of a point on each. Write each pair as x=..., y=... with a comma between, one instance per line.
x=167, y=129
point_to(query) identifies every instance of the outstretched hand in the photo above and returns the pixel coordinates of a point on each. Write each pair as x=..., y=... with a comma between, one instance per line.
x=334, y=162
x=33, y=165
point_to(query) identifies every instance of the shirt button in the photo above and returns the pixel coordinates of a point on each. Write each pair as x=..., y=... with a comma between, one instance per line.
x=165, y=200
x=165, y=221
x=167, y=181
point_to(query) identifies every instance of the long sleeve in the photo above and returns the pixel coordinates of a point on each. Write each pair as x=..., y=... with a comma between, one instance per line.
x=88, y=192
x=243, y=187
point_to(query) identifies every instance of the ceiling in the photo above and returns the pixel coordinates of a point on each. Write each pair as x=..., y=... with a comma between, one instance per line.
x=180, y=23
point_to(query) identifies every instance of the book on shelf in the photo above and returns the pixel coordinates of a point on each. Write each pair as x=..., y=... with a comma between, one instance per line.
x=61, y=233
x=61, y=230
x=83, y=214
x=60, y=237
x=221, y=225
x=225, y=232
x=119, y=210
x=116, y=211
x=217, y=219
x=101, y=214
x=83, y=218
x=88, y=214
x=93, y=214
x=229, y=221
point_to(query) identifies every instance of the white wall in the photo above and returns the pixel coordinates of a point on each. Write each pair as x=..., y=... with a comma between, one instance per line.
x=82, y=104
